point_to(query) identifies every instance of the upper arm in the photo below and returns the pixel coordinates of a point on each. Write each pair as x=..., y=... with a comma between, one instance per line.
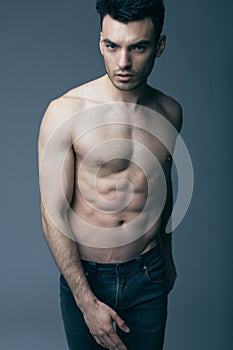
x=55, y=161
x=175, y=113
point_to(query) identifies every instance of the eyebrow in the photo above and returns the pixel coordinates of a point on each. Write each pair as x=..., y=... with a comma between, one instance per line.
x=138, y=43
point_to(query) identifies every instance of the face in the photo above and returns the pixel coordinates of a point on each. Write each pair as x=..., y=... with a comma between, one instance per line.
x=129, y=51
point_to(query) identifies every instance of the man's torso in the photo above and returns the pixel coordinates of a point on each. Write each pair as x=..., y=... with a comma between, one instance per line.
x=122, y=158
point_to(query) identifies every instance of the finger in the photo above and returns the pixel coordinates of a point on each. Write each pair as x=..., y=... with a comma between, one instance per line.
x=100, y=342
x=114, y=342
x=111, y=340
x=121, y=323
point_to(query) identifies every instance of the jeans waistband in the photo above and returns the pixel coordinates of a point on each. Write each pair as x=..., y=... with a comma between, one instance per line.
x=130, y=265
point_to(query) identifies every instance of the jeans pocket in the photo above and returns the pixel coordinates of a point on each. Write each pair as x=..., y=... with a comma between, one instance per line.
x=155, y=273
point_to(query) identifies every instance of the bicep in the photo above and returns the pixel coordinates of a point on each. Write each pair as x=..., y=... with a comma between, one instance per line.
x=56, y=165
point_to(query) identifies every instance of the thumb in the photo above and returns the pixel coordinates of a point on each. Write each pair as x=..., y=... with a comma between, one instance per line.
x=121, y=323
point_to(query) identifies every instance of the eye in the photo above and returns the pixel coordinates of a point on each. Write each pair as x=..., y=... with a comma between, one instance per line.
x=138, y=48
x=111, y=47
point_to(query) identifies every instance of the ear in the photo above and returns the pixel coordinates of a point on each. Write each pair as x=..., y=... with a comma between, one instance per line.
x=161, y=43
x=101, y=43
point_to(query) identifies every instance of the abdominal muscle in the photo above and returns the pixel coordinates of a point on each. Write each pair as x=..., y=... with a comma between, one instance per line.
x=102, y=212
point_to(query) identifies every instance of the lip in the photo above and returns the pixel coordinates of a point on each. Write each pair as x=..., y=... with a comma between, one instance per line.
x=124, y=77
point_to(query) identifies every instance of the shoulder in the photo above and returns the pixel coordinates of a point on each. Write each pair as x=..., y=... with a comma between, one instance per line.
x=87, y=93
x=57, y=120
x=62, y=109
x=171, y=109
x=74, y=100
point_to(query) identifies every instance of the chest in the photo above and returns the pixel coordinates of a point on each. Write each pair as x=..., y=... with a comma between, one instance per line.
x=116, y=142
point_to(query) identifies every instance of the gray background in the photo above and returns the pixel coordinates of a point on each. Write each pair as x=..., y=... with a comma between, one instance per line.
x=48, y=47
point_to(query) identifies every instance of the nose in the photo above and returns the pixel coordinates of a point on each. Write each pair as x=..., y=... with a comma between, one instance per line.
x=124, y=60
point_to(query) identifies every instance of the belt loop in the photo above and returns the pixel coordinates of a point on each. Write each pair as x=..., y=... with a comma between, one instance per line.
x=140, y=263
x=92, y=267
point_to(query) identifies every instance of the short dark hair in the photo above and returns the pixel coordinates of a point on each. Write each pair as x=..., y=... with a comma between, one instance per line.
x=133, y=10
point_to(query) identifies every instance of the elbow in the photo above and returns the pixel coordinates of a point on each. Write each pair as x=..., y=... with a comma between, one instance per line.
x=44, y=219
x=45, y=224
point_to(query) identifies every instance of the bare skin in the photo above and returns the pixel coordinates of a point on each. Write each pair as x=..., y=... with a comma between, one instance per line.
x=129, y=51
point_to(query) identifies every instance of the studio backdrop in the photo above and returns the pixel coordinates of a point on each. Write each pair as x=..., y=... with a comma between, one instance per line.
x=49, y=47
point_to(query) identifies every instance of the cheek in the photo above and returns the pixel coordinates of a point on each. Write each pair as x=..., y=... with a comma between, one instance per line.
x=109, y=61
x=107, y=57
x=147, y=63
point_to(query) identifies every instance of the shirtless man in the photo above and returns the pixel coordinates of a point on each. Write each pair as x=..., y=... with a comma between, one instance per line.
x=104, y=207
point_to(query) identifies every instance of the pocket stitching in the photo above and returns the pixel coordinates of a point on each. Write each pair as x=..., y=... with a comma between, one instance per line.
x=150, y=279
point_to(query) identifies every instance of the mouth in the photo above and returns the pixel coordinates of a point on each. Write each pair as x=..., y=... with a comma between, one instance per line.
x=124, y=77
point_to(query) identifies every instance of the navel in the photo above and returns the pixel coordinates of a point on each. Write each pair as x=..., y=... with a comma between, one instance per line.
x=121, y=222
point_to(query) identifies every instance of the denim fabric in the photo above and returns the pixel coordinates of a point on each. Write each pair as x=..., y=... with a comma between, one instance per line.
x=135, y=289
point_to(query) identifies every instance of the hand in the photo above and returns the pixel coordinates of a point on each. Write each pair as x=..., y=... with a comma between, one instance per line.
x=99, y=319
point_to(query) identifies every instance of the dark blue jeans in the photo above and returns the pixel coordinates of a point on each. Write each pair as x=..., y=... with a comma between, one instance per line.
x=135, y=289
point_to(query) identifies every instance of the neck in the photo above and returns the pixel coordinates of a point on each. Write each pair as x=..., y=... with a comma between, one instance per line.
x=135, y=96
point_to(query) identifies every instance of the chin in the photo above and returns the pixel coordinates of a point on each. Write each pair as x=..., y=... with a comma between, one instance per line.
x=126, y=86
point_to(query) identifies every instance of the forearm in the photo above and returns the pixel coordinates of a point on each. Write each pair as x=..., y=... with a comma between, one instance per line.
x=165, y=229
x=166, y=238
x=66, y=255
x=166, y=244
